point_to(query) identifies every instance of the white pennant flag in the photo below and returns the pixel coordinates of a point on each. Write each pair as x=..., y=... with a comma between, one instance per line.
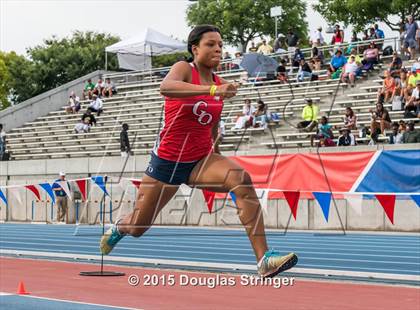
x=65, y=186
x=15, y=192
x=186, y=193
x=355, y=201
x=262, y=194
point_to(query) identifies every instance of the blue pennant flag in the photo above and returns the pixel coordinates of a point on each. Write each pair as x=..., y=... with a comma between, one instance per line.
x=48, y=188
x=3, y=197
x=233, y=196
x=416, y=198
x=99, y=180
x=324, y=200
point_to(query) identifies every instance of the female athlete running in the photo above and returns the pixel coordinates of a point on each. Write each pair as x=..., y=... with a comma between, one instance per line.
x=184, y=152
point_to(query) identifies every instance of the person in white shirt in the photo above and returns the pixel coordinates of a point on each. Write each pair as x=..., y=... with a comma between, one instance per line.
x=346, y=138
x=109, y=88
x=99, y=88
x=96, y=105
x=396, y=136
x=2, y=141
x=349, y=71
x=246, y=117
x=318, y=38
x=74, y=103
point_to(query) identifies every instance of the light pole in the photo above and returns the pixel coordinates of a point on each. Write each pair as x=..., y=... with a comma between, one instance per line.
x=275, y=12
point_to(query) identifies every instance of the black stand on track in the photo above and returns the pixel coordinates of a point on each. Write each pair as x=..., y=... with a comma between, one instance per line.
x=101, y=272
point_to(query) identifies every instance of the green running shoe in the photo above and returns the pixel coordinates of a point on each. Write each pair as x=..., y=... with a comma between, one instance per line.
x=110, y=239
x=273, y=263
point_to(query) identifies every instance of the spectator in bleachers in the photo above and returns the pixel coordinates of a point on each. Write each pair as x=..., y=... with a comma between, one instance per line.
x=316, y=53
x=109, y=88
x=324, y=133
x=380, y=121
x=245, y=119
x=337, y=63
x=412, y=106
x=412, y=135
x=379, y=33
x=318, y=63
x=388, y=88
x=354, y=37
x=282, y=71
x=396, y=65
x=309, y=116
x=261, y=115
x=124, y=141
x=350, y=71
x=292, y=40
x=350, y=119
x=96, y=105
x=278, y=43
x=297, y=57
x=73, y=104
x=226, y=56
x=403, y=126
x=99, y=88
x=410, y=42
x=403, y=84
x=372, y=34
x=346, y=138
x=265, y=48
x=370, y=57
x=304, y=71
x=253, y=48
x=83, y=126
x=88, y=90
x=88, y=118
x=2, y=142
x=236, y=61
x=396, y=136
x=318, y=38
x=338, y=37
x=365, y=35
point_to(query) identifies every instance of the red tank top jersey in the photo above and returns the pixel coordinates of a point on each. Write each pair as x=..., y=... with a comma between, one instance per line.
x=187, y=132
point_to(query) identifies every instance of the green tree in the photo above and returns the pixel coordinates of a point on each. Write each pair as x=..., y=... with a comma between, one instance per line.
x=4, y=84
x=242, y=21
x=59, y=61
x=20, y=84
x=361, y=13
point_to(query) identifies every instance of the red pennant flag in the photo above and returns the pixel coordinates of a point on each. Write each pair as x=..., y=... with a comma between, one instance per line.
x=82, y=187
x=388, y=203
x=293, y=201
x=136, y=183
x=34, y=190
x=209, y=197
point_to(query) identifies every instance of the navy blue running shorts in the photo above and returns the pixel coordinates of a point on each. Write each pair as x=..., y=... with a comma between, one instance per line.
x=169, y=172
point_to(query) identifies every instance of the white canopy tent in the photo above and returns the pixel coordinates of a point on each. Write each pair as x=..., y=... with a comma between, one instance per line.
x=135, y=53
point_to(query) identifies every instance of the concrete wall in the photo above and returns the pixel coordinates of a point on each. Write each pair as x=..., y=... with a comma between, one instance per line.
x=53, y=100
x=309, y=215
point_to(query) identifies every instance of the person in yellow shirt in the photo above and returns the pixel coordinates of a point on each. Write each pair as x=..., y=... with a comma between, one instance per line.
x=309, y=115
x=414, y=77
x=265, y=48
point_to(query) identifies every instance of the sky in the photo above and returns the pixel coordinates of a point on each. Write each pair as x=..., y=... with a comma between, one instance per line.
x=25, y=23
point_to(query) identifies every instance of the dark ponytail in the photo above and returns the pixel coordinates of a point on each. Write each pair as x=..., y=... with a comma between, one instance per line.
x=195, y=36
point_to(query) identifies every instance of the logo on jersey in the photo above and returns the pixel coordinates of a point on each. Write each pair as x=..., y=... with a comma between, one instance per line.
x=204, y=118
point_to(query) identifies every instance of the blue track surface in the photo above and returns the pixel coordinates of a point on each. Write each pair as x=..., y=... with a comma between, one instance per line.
x=379, y=253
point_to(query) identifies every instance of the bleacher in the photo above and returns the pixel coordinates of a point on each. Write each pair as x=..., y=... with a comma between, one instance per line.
x=139, y=104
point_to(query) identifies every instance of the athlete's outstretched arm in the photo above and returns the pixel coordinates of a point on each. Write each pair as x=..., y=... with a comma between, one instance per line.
x=177, y=84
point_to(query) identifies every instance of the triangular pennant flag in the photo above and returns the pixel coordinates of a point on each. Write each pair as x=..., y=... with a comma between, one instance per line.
x=99, y=180
x=3, y=197
x=292, y=198
x=388, y=203
x=209, y=198
x=48, y=188
x=233, y=196
x=186, y=193
x=81, y=184
x=65, y=186
x=355, y=201
x=262, y=195
x=416, y=198
x=34, y=190
x=15, y=191
x=324, y=200
x=136, y=183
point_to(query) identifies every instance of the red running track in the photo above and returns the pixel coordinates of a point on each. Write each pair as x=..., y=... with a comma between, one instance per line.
x=61, y=280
